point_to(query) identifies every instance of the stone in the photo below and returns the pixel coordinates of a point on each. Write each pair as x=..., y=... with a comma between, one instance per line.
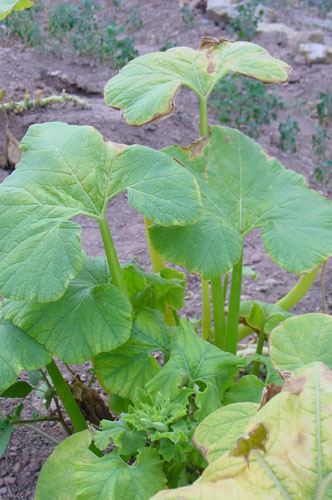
x=294, y=38
x=221, y=10
x=315, y=53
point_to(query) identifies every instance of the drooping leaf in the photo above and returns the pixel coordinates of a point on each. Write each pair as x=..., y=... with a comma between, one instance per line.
x=248, y=388
x=202, y=364
x=92, y=316
x=242, y=189
x=287, y=445
x=218, y=432
x=145, y=89
x=18, y=390
x=128, y=441
x=57, y=478
x=156, y=291
x=258, y=314
x=18, y=352
x=301, y=340
x=131, y=366
x=110, y=478
x=67, y=170
x=8, y=5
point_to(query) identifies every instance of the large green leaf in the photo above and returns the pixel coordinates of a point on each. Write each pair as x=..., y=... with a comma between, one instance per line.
x=8, y=5
x=110, y=478
x=68, y=170
x=92, y=316
x=248, y=388
x=242, y=189
x=301, y=340
x=196, y=363
x=57, y=478
x=285, y=451
x=131, y=366
x=145, y=89
x=156, y=291
x=18, y=352
x=218, y=432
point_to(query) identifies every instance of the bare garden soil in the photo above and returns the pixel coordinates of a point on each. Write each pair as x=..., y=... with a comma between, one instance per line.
x=23, y=69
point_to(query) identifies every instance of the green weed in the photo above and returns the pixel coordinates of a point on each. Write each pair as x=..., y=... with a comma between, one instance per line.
x=320, y=145
x=187, y=17
x=245, y=103
x=246, y=22
x=288, y=133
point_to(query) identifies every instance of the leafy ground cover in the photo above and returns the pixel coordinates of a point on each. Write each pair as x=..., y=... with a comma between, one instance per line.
x=193, y=390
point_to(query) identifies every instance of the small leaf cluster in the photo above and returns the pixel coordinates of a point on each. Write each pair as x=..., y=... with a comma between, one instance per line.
x=244, y=25
x=77, y=28
x=288, y=134
x=321, y=138
x=245, y=103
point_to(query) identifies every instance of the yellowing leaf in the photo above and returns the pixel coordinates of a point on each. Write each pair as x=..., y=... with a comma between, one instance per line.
x=145, y=89
x=285, y=451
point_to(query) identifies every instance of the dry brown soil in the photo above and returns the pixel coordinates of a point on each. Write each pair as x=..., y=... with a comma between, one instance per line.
x=24, y=69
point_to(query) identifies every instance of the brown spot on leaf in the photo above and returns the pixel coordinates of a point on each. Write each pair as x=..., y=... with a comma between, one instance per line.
x=254, y=440
x=90, y=403
x=196, y=148
x=228, y=139
x=117, y=146
x=300, y=439
x=209, y=42
x=269, y=392
x=294, y=385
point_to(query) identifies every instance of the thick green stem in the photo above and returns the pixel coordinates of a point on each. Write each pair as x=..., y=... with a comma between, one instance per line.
x=69, y=403
x=299, y=290
x=206, y=307
x=290, y=300
x=112, y=257
x=157, y=261
x=66, y=397
x=259, y=350
x=218, y=312
x=234, y=309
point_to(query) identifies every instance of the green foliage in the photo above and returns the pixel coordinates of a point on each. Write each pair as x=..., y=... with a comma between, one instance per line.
x=75, y=27
x=320, y=144
x=25, y=26
x=288, y=133
x=246, y=22
x=245, y=103
x=187, y=17
x=324, y=107
x=164, y=379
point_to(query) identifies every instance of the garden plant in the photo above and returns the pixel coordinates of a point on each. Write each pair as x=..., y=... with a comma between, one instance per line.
x=198, y=417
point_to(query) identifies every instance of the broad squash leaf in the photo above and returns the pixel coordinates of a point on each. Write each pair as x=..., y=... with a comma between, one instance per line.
x=110, y=478
x=57, y=478
x=18, y=352
x=301, y=340
x=131, y=366
x=92, y=316
x=285, y=451
x=156, y=291
x=145, y=89
x=243, y=189
x=8, y=5
x=218, y=432
x=67, y=170
x=248, y=388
